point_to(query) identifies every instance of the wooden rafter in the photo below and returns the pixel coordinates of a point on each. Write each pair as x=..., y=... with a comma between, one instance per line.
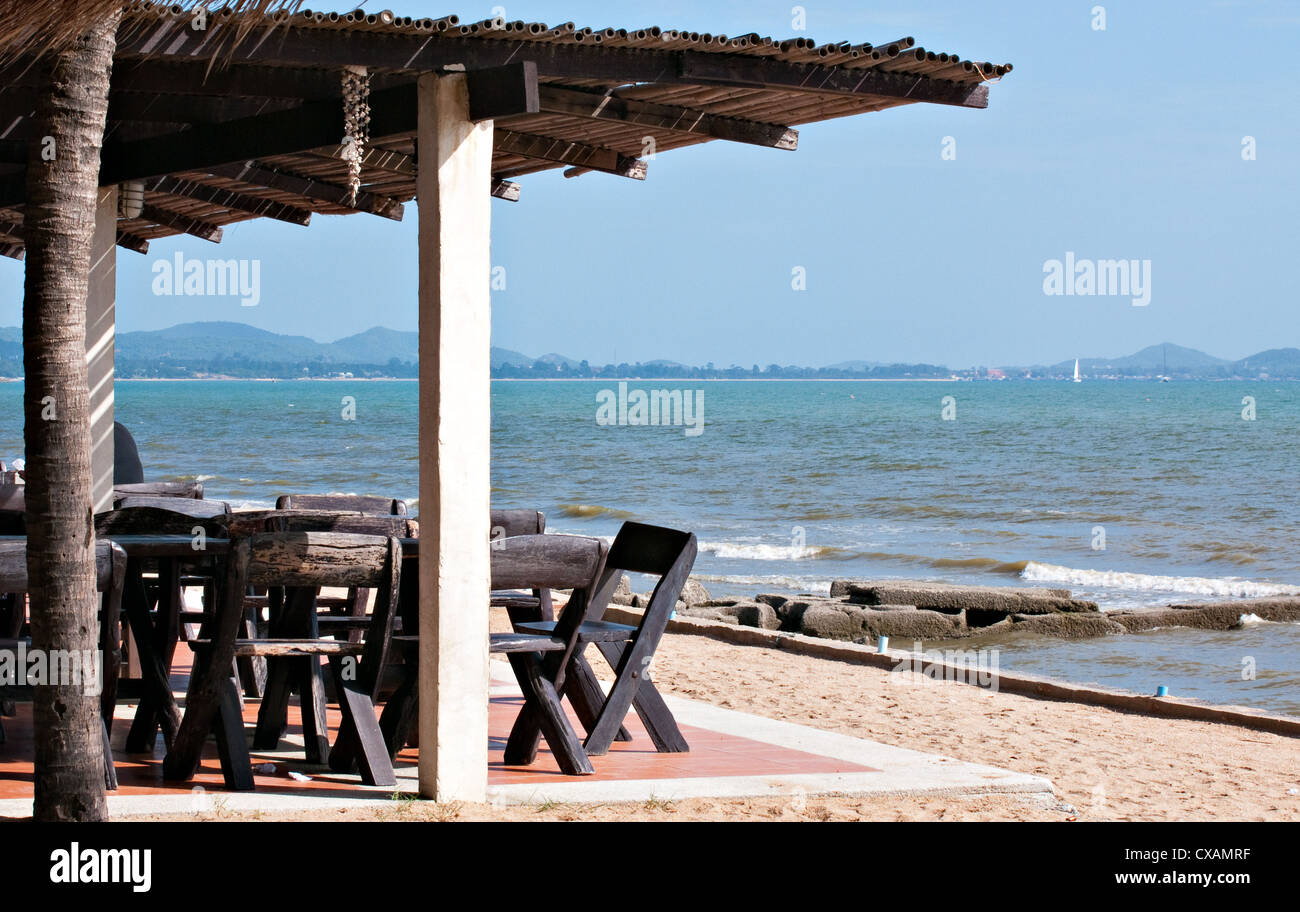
x=506, y=190
x=132, y=242
x=566, y=152
x=13, y=251
x=250, y=172
x=183, y=223
x=229, y=199
x=574, y=103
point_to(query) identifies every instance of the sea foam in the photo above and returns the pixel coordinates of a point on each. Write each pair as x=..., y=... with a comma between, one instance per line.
x=1223, y=587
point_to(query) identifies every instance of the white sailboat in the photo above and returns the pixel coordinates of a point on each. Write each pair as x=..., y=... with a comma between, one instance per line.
x=1076, y=371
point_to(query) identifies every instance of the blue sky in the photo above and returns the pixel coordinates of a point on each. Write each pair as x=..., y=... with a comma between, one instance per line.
x=1122, y=143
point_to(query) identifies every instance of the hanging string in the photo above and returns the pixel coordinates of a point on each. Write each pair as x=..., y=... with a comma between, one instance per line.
x=356, y=124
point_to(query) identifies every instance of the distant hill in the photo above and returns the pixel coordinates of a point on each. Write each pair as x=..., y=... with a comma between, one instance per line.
x=502, y=357
x=1149, y=360
x=223, y=349
x=377, y=346
x=1276, y=362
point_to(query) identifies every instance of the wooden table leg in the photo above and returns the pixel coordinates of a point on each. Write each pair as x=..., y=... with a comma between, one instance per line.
x=157, y=704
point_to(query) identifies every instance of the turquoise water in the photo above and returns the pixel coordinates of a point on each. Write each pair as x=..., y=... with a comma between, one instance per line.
x=791, y=485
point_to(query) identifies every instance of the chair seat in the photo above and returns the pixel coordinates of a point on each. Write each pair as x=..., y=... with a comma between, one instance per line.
x=524, y=642
x=330, y=623
x=290, y=648
x=588, y=632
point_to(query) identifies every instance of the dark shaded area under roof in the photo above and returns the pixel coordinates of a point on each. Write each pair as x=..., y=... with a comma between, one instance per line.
x=242, y=120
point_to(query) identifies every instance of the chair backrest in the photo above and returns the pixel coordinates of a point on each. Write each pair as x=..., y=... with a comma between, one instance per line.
x=315, y=559
x=126, y=457
x=193, y=489
x=335, y=521
x=509, y=523
x=110, y=561
x=170, y=516
x=199, y=509
x=547, y=562
x=359, y=503
x=655, y=551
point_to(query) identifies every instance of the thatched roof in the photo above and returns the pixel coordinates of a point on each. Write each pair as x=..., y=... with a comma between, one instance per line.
x=244, y=118
x=33, y=27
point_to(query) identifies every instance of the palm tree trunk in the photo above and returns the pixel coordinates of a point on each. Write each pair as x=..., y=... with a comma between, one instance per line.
x=59, y=220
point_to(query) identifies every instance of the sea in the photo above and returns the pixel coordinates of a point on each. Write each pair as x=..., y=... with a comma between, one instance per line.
x=1133, y=494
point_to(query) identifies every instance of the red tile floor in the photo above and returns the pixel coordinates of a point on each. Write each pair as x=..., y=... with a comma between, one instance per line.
x=712, y=754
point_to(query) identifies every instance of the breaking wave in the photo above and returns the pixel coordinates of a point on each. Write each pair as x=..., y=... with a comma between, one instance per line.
x=1222, y=587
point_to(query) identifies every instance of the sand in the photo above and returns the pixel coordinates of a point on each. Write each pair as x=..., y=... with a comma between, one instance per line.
x=1106, y=765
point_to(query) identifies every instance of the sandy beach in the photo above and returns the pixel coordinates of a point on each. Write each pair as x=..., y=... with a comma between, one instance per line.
x=1106, y=765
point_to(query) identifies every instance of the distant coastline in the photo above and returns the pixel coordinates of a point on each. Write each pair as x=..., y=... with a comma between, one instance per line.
x=236, y=351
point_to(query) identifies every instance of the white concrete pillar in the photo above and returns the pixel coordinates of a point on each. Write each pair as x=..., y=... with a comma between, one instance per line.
x=101, y=317
x=455, y=170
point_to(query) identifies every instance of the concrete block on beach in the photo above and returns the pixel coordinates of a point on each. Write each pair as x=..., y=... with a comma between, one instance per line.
x=913, y=623
x=1210, y=615
x=623, y=594
x=1075, y=626
x=758, y=614
x=791, y=611
x=1284, y=608
x=984, y=605
x=694, y=593
x=831, y=621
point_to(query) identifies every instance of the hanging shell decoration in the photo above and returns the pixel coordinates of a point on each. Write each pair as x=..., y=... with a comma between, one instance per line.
x=356, y=124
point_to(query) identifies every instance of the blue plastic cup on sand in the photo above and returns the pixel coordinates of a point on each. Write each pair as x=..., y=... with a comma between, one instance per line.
x=1162, y=691
x=882, y=644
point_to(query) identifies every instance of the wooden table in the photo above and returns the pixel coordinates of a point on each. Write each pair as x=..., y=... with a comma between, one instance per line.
x=155, y=641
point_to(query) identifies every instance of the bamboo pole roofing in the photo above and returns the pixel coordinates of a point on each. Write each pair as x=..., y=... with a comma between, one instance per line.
x=243, y=118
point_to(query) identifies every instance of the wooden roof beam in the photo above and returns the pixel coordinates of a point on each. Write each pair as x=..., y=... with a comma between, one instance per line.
x=378, y=159
x=132, y=242
x=574, y=103
x=182, y=223
x=315, y=124
x=565, y=152
x=506, y=190
x=13, y=251
x=229, y=199
x=330, y=47
x=250, y=172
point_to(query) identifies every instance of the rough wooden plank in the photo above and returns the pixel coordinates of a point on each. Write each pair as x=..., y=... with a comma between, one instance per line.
x=567, y=152
x=316, y=559
x=602, y=106
x=229, y=199
x=502, y=91
x=250, y=172
x=183, y=223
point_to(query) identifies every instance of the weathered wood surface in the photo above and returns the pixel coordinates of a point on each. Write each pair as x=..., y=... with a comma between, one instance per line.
x=164, y=516
x=155, y=546
x=545, y=561
x=188, y=489
x=316, y=559
x=13, y=565
x=361, y=503
x=395, y=525
x=509, y=523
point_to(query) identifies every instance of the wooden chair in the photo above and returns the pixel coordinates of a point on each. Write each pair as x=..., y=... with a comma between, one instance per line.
x=294, y=561
x=522, y=605
x=185, y=489
x=524, y=562
x=638, y=548
x=110, y=575
x=359, y=503
x=297, y=608
x=156, y=606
